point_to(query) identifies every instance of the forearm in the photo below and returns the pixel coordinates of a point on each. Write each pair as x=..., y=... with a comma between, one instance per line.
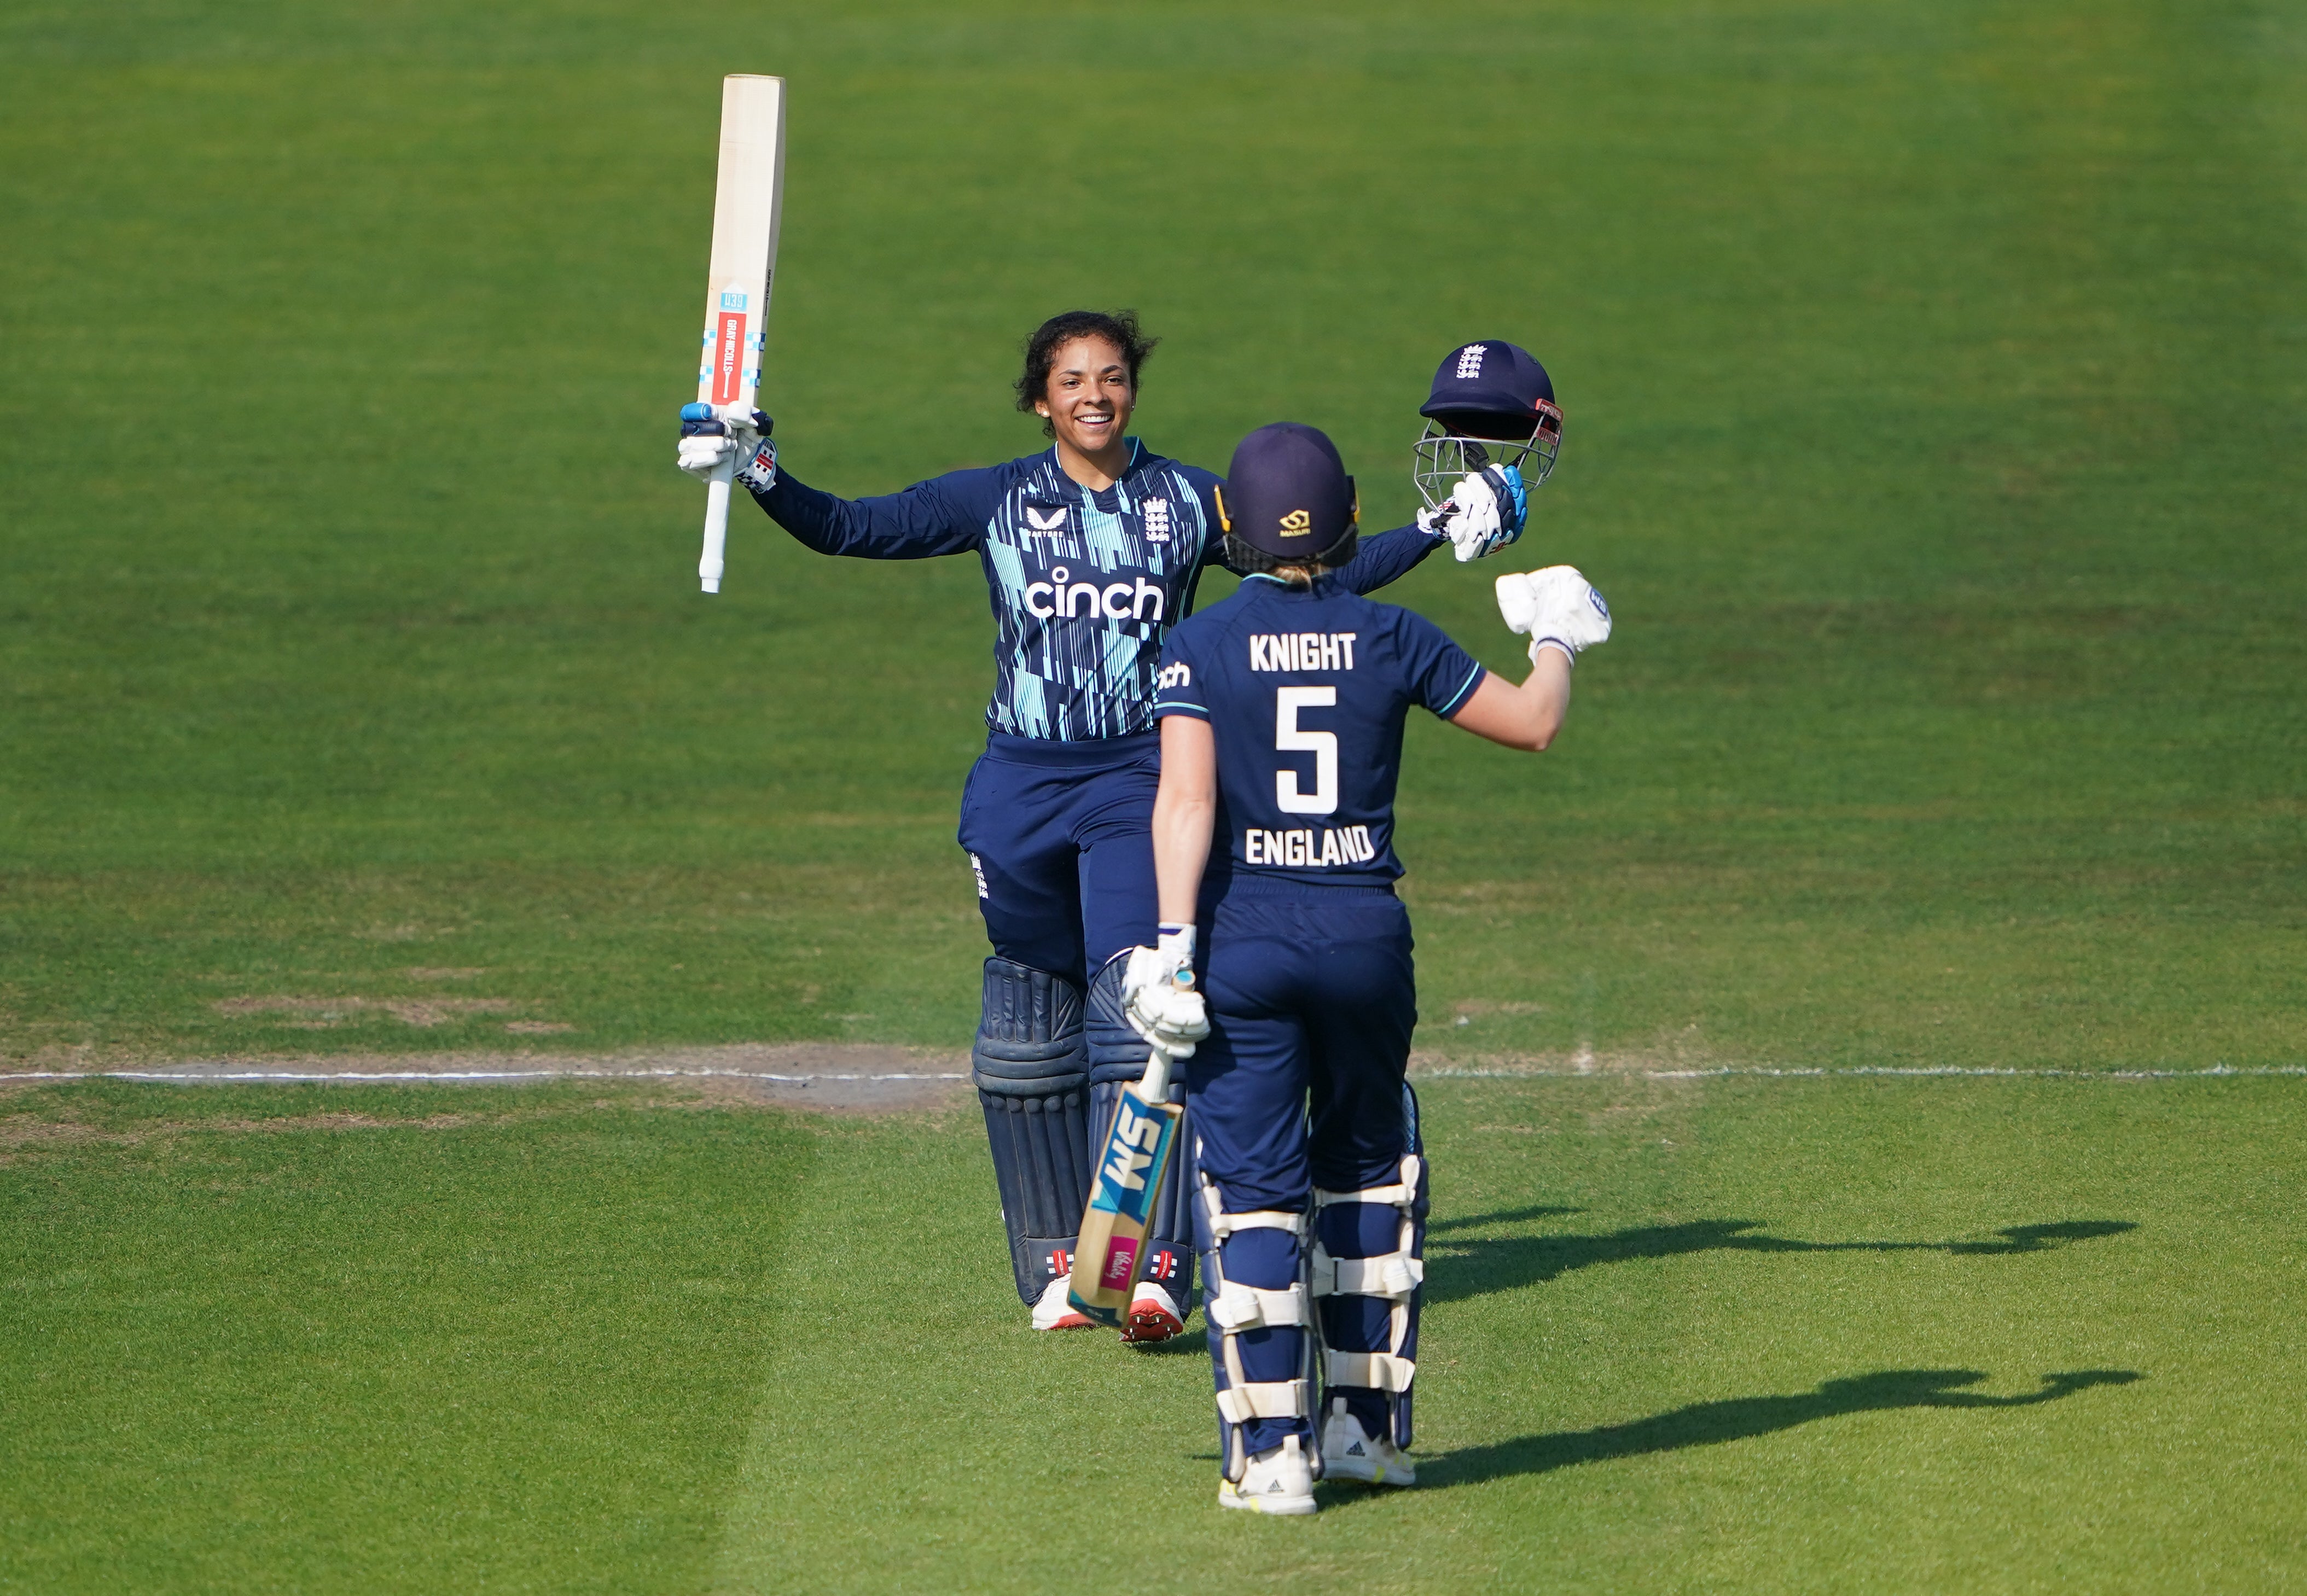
x=1526, y=716
x=895, y=526
x=1387, y=557
x=1182, y=826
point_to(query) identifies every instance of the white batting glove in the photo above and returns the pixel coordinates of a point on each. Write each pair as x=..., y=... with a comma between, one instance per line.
x=1557, y=608
x=706, y=445
x=702, y=454
x=1158, y=995
x=1487, y=510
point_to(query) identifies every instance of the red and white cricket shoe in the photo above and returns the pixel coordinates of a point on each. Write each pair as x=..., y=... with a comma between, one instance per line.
x=1053, y=1312
x=1154, y=1315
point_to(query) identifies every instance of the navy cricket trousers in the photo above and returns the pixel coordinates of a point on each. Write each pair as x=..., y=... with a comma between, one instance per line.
x=1312, y=999
x=1061, y=837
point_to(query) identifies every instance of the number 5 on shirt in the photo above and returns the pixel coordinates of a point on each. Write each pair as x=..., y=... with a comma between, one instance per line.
x=1323, y=745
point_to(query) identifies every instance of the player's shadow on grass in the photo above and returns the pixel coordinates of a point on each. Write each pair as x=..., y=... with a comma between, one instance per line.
x=1742, y=1417
x=1481, y=1265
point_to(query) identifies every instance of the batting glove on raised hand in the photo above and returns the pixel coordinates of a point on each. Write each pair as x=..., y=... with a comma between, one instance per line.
x=1557, y=607
x=706, y=445
x=1487, y=510
x=1158, y=995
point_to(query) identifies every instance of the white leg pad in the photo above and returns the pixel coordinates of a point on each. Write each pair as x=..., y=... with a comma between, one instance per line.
x=1236, y=1307
x=1224, y=1224
x=1380, y=1371
x=1268, y=1399
x=1394, y=1278
x=1233, y=1307
x=1393, y=1275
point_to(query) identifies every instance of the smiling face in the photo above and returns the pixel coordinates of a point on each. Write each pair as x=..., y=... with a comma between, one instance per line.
x=1089, y=397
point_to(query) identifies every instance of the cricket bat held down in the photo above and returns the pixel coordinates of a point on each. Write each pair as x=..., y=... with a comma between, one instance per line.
x=1111, y=1254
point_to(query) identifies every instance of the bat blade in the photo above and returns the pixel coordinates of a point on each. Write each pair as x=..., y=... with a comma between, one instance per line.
x=1111, y=1254
x=748, y=204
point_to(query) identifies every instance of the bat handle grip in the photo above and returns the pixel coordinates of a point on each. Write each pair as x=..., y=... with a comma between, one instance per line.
x=716, y=527
x=1155, y=1086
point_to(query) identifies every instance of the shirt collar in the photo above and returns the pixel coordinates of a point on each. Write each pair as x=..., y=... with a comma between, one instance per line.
x=1072, y=492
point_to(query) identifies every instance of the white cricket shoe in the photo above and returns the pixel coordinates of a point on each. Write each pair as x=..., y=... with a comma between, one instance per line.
x=1279, y=1479
x=1154, y=1314
x=1347, y=1453
x=1053, y=1312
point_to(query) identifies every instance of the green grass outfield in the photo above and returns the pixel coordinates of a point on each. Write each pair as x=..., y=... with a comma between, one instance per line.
x=1934, y=377
x=1721, y=1333
x=1937, y=388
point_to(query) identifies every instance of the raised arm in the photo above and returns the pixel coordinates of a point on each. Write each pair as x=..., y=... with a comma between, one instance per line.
x=942, y=516
x=1525, y=716
x=1387, y=557
x=945, y=515
x=1383, y=557
x=1562, y=614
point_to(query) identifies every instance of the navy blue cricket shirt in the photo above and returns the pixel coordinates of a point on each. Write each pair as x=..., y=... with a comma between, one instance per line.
x=1305, y=690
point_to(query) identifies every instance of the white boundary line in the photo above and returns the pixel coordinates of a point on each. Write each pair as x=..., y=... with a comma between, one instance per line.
x=2216, y=1071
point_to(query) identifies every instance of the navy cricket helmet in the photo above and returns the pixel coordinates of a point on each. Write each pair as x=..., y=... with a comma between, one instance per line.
x=1492, y=404
x=1287, y=496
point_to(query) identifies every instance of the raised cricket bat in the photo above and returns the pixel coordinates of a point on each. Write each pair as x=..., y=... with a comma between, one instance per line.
x=1111, y=1254
x=746, y=202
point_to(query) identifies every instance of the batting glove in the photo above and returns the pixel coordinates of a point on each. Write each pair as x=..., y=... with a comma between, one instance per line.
x=1158, y=995
x=1486, y=511
x=1557, y=607
x=706, y=445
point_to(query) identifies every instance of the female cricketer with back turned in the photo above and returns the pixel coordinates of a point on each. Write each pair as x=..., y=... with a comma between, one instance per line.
x=1281, y=712
x=1091, y=550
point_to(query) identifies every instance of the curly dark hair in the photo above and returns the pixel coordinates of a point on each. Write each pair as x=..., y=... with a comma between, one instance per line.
x=1117, y=328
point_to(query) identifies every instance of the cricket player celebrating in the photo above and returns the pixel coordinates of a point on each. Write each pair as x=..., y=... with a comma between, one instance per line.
x=1281, y=713
x=1091, y=551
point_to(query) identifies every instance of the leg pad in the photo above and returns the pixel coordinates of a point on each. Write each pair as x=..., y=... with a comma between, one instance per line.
x=1032, y=1075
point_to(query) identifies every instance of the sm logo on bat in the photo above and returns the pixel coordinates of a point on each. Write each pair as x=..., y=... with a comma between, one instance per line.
x=1136, y=1146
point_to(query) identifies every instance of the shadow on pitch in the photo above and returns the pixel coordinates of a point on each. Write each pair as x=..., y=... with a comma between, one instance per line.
x=1477, y=1265
x=1742, y=1417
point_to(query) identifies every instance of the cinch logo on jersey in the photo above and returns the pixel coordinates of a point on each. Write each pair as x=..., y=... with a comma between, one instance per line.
x=1302, y=650
x=1470, y=362
x=1299, y=850
x=1175, y=673
x=1115, y=601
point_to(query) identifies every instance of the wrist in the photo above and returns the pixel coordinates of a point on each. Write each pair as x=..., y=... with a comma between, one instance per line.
x=1176, y=941
x=1542, y=645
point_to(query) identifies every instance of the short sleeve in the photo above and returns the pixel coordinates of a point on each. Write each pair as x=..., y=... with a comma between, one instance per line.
x=1439, y=675
x=1178, y=686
